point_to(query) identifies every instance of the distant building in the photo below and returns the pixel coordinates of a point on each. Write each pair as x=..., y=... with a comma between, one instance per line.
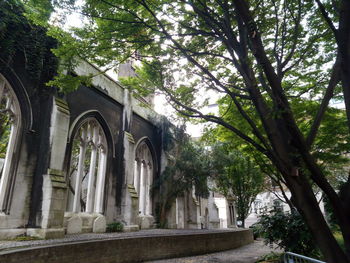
x=268, y=201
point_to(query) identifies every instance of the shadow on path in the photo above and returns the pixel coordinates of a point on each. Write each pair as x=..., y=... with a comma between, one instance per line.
x=246, y=254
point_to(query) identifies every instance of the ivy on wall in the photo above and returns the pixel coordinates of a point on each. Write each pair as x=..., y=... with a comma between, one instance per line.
x=18, y=37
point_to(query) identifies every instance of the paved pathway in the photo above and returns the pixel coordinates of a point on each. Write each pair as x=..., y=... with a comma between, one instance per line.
x=246, y=254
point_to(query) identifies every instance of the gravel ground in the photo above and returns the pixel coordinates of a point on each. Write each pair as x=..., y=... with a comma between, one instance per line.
x=10, y=244
x=246, y=254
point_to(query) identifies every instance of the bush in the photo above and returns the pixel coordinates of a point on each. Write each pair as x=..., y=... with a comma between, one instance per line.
x=271, y=258
x=257, y=231
x=288, y=231
x=115, y=227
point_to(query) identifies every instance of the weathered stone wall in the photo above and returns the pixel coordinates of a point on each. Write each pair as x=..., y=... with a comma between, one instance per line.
x=43, y=154
x=132, y=249
x=36, y=203
x=31, y=156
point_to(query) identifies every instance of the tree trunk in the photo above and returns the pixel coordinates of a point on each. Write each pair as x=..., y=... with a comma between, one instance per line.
x=288, y=144
x=343, y=41
x=344, y=52
x=243, y=223
x=305, y=201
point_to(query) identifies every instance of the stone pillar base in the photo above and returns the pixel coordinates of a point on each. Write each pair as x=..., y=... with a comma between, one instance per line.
x=146, y=221
x=46, y=233
x=173, y=226
x=131, y=228
x=214, y=224
x=194, y=225
x=10, y=233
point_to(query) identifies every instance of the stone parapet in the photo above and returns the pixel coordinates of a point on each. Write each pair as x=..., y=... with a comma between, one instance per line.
x=143, y=248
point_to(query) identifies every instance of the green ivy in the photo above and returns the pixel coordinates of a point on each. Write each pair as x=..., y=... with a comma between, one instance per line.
x=20, y=37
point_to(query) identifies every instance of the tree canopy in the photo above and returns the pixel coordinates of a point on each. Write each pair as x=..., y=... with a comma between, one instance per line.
x=262, y=56
x=188, y=171
x=236, y=177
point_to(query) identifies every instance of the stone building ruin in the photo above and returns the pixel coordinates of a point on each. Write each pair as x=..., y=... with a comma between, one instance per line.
x=72, y=163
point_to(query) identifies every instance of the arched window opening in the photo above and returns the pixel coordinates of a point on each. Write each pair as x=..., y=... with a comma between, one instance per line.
x=143, y=178
x=10, y=121
x=232, y=215
x=87, y=169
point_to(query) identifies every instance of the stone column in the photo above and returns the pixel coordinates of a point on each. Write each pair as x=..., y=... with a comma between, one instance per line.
x=129, y=202
x=79, y=175
x=91, y=189
x=137, y=168
x=148, y=191
x=54, y=183
x=130, y=195
x=142, y=189
x=100, y=185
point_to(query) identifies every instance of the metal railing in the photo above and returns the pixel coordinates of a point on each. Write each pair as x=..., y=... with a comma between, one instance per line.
x=290, y=257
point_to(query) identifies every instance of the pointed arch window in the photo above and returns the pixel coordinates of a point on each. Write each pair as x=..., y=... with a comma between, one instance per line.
x=87, y=172
x=143, y=177
x=10, y=127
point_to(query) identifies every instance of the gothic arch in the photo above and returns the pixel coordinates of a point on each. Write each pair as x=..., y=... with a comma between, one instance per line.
x=23, y=98
x=90, y=148
x=102, y=121
x=144, y=170
x=11, y=132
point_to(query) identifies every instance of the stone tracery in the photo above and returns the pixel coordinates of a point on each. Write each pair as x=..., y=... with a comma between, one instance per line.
x=87, y=169
x=10, y=121
x=143, y=178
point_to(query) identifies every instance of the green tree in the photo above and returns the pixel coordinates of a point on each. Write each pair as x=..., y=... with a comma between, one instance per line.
x=236, y=177
x=261, y=55
x=189, y=168
x=330, y=148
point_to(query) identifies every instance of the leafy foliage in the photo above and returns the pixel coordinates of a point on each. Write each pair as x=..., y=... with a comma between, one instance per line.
x=115, y=227
x=330, y=148
x=288, y=231
x=271, y=258
x=18, y=36
x=236, y=177
x=189, y=168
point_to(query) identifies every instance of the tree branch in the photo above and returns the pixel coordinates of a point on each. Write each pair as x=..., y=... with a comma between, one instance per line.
x=334, y=80
x=326, y=17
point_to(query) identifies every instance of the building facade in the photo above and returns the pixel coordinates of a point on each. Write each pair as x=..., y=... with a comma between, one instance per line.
x=72, y=163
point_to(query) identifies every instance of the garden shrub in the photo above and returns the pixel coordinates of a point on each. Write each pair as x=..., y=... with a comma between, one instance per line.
x=288, y=231
x=271, y=258
x=115, y=227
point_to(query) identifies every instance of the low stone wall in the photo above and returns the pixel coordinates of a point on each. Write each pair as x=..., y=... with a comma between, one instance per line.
x=134, y=249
